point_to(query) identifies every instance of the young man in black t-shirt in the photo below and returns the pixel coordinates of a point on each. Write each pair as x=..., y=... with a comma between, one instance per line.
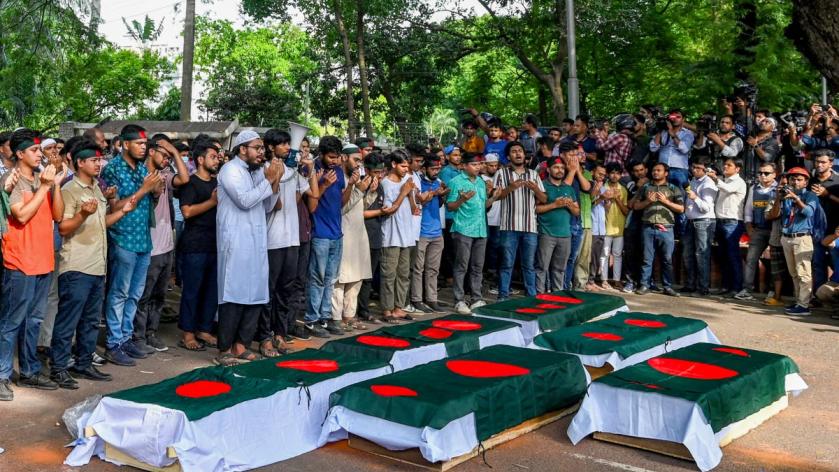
x=197, y=247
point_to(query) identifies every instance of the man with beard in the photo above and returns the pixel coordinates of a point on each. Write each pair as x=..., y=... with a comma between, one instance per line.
x=247, y=192
x=81, y=283
x=161, y=152
x=130, y=243
x=555, y=228
x=197, y=249
x=429, y=250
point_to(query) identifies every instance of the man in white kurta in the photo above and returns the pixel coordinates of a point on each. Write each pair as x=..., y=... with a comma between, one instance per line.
x=245, y=191
x=355, y=258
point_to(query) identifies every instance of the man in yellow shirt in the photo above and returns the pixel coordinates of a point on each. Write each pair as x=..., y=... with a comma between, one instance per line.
x=616, y=211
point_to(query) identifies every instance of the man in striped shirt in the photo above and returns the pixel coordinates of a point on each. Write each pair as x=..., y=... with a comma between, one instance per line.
x=520, y=190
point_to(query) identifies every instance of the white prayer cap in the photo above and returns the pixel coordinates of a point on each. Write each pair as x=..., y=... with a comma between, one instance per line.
x=245, y=137
x=491, y=157
x=47, y=142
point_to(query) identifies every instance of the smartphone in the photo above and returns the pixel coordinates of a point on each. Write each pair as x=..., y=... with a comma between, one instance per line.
x=361, y=171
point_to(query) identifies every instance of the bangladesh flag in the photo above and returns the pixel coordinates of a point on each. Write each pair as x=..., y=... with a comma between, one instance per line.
x=408, y=345
x=284, y=399
x=550, y=311
x=447, y=407
x=696, y=395
x=626, y=338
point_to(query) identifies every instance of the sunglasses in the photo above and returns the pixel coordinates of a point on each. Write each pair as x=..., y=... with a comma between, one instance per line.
x=765, y=173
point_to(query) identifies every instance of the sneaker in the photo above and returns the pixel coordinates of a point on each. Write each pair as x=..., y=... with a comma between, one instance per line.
x=300, y=332
x=155, y=343
x=6, y=392
x=39, y=381
x=477, y=304
x=656, y=289
x=98, y=360
x=334, y=327
x=410, y=309
x=670, y=292
x=773, y=302
x=64, y=380
x=119, y=357
x=798, y=310
x=744, y=295
x=462, y=308
x=771, y=294
x=642, y=290
x=422, y=307
x=722, y=293
x=629, y=287
x=91, y=373
x=137, y=349
x=315, y=330
x=435, y=307
x=514, y=291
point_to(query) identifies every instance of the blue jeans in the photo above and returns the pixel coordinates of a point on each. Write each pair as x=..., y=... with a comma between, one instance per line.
x=821, y=259
x=510, y=241
x=728, y=234
x=127, y=274
x=576, y=242
x=696, y=253
x=662, y=242
x=21, y=312
x=324, y=262
x=492, y=259
x=80, y=298
x=199, y=298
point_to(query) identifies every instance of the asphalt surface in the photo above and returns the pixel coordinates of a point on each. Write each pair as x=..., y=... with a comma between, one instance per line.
x=804, y=437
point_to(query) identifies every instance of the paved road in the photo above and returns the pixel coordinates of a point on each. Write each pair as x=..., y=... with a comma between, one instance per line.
x=803, y=437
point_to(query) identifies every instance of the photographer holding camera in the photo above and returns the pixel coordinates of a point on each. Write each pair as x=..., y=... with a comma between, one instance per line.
x=619, y=145
x=765, y=145
x=722, y=144
x=820, y=131
x=673, y=145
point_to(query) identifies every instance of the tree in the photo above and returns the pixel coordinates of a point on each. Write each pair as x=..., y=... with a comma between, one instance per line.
x=813, y=30
x=144, y=33
x=441, y=123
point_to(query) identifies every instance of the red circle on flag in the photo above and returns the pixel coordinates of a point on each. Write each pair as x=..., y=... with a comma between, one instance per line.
x=603, y=336
x=550, y=306
x=549, y=297
x=456, y=325
x=644, y=323
x=652, y=386
x=393, y=391
x=731, y=350
x=316, y=366
x=436, y=333
x=691, y=369
x=202, y=389
x=485, y=369
x=381, y=341
x=531, y=311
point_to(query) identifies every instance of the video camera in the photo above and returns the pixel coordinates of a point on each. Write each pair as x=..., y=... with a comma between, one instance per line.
x=797, y=118
x=706, y=124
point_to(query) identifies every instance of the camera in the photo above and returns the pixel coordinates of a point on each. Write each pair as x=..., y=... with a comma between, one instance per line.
x=706, y=123
x=746, y=91
x=661, y=123
x=787, y=188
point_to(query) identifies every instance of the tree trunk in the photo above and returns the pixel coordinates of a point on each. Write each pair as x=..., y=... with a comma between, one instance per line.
x=813, y=30
x=345, y=40
x=189, y=51
x=555, y=87
x=362, y=70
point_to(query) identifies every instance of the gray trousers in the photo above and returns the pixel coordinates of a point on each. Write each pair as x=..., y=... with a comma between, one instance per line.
x=426, y=267
x=758, y=242
x=551, y=259
x=147, y=320
x=469, y=255
x=395, y=278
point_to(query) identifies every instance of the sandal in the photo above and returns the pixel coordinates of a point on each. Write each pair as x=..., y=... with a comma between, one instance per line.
x=357, y=325
x=248, y=356
x=266, y=351
x=196, y=345
x=226, y=360
x=391, y=319
x=207, y=343
x=281, y=347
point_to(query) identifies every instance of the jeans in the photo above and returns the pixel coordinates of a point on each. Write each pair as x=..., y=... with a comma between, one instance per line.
x=79, y=304
x=324, y=262
x=127, y=278
x=147, y=320
x=696, y=253
x=469, y=256
x=199, y=296
x=550, y=266
x=45, y=335
x=21, y=312
x=662, y=242
x=510, y=241
x=425, y=269
x=758, y=242
x=728, y=234
x=576, y=242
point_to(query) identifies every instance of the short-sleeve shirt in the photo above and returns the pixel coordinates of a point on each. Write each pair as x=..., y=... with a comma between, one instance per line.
x=557, y=222
x=657, y=213
x=327, y=216
x=398, y=228
x=518, y=210
x=29, y=248
x=615, y=219
x=132, y=232
x=470, y=218
x=199, y=236
x=431, y=225
x=283, y=224
x=162, y=239
x=497, y=147
x=86, y=250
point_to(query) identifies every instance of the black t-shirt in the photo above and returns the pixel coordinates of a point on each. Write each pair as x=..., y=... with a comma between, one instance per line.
x=374, y=225
x=199, y=231
x=831, y=210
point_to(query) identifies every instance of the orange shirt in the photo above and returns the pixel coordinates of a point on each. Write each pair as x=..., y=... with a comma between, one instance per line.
x=29, y=247
x=475, y=145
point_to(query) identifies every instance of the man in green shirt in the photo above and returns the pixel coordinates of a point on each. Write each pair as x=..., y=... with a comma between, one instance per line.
x=555, y=228
x=468, y=203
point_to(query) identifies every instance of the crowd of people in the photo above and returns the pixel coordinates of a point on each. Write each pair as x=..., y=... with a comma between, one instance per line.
x=270, y=244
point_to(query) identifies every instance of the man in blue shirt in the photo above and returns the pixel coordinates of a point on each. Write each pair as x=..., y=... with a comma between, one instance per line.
x=797, y=208
x=430, y=244
x=673, y=146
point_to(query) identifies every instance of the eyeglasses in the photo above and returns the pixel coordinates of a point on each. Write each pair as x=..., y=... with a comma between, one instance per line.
x=256, y=148
x=765, y=173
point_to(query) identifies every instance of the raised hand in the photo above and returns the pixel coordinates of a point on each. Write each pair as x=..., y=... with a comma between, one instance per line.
x=111, y=192
x=466, y=196
x=151, y=181
x=374, y=185
x=11, y=180
x=387, y=211
x=48, y=175
x=89, y=207
x=365, y=183
x=407, y=186
x=330, y=178
x=354, y=178
x=130, y=205
x=662, y=197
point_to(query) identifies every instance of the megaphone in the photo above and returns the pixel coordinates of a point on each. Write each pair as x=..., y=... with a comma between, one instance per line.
x=297, y=132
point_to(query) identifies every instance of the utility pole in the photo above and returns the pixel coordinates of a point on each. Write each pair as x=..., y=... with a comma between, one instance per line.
x=824, y=89
x=189, y=50
x=573, y=83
